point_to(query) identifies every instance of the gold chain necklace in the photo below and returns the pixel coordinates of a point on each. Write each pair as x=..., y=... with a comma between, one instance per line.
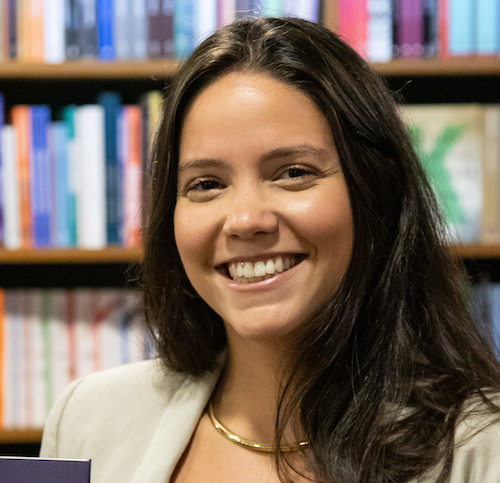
x=248, y=443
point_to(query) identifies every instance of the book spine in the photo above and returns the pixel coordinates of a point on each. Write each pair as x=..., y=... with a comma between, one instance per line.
x=226, y=12
x=41, y=182
x=122, y=14
x=354, y=23
x=12, y=30
x=160, y=17
x=273, y=8
x=36, y=49
x=430, y=27
x=72, y=21
x=105, y=26
x=3, y=352
x=39, y=369
x=486, y=26
x=184, y=24
x=132, y=177
x=309, y=10
x=87, y=33
x=21, y=119
x=206, y=19
x=10, y=179
x=54, y=31
x=461, y=27
x=2, y=169
x=83, y=332
x=91, y=175
x=139, y=30
x=411, y=28
x=111, y=103
x=379, y=36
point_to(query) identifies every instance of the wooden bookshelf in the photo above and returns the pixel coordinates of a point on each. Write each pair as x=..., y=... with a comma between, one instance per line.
x=54, y=255
x=18, y=436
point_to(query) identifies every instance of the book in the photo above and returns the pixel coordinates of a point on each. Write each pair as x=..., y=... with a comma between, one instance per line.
x=309, y=10
x=138, y=22
x=34, y=32
x=486, y=27
x=205, y=19
x=21, y=120
x=410, y=28
x=226, y=12
x=54, y=27
x=72, y=23
x=461, y=27
x=246, y=8
x=111, y=103
x=2, y=207
x=184, y=28
x=430, y=27
x=9, y=25
x=122, y=39
x=450, y=141
x=353, y=24
x=41, y=177
x=90, y=176
x=10, y=189
x=105, y=26
x=42, y=470
x=3, y=366
x=379, y=35
x=160, y=24
x=443, y=36
x=87, y=28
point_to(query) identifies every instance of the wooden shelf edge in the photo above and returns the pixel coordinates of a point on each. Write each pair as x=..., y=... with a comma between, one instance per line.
x=16, y=436
x=163, y=68
x=54, y=255
x=476, y=251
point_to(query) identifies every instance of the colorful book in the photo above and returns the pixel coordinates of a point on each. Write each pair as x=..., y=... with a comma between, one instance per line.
x=91, y=176
x=111, y=102
x=379, y=35
x=184, y=28
x=411, y=28
x=160, y=21
x=21, y=120
x=41, y=177
x=105, y=26
x=450, y=142
x=461, y=27
x=353, y=25
x=10, y=189
x=54, y=27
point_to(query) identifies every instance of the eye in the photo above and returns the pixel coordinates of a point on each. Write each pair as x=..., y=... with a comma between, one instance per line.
x=295, y=172
x=205, y=185
x=201, y=189
x=296, y=177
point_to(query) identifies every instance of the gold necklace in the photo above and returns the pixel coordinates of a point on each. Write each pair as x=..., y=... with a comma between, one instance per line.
x=248, y=443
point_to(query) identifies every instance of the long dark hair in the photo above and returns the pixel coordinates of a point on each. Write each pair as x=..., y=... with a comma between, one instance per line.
x=389, y=359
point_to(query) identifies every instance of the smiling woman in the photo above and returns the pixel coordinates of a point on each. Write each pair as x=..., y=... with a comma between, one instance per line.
x=310, y=322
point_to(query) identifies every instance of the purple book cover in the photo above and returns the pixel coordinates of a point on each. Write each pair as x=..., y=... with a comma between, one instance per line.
x=38, y=470
x=411, y=28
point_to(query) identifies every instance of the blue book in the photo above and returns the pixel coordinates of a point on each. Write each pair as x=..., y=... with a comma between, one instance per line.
x=105, y=27
x=486, y=27
x=184, y=28
x=43, y=470
x=461, y=27
x=111, y=102
x=68, y=116
x=58, y=144
x=2, y=107
x=41, y=181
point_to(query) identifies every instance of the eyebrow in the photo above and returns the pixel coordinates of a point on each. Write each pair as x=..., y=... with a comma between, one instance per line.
x=283, y=152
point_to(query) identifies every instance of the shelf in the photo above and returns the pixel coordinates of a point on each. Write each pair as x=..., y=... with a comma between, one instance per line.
x=477, y=251
x=160, y=69
x=90, y=69
x=17, y=436
x=68, y=256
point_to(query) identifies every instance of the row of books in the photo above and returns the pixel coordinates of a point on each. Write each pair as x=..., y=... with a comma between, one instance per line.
x=52, y=31
x=385, y=29
x=74, y=178
x=50, y=337
x=459, y=146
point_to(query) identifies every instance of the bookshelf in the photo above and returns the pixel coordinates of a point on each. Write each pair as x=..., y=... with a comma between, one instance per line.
x=80, y=81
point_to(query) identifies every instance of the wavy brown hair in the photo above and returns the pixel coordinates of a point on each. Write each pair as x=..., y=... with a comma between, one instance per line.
x=390, y=358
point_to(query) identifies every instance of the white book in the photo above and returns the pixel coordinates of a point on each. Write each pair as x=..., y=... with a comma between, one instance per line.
x=379, y=41
x=205, y=19
x=122, y=21
x=84, y=337
x=54, y=31
x=59, y=335
x=10, y=188
x=91, y=172
x=139, y=29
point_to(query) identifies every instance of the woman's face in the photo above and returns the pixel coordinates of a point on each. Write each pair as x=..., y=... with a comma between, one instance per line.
x=263, y=222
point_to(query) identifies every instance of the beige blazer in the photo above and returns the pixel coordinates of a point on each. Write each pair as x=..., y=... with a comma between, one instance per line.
x=134, y=422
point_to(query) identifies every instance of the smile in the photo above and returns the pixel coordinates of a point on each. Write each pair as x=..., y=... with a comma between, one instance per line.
x=248, y=272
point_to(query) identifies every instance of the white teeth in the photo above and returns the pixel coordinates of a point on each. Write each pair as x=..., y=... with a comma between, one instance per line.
x=245, y=272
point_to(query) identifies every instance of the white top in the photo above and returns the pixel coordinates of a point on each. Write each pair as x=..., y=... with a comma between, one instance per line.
x=135, y=421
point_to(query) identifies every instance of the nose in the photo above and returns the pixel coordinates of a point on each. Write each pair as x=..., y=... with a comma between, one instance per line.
x=250, y=213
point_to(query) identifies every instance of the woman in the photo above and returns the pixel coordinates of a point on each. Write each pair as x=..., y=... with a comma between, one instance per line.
x=298, y=285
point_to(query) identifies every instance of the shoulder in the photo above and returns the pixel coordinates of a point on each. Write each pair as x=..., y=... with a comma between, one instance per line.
x=477, y=443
